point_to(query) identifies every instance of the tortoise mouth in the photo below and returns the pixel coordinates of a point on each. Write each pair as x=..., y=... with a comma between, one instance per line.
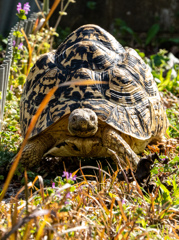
x=82, y=132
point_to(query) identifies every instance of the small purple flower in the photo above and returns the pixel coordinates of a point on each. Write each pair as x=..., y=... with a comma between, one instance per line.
x=19, y=7
x=123, y=201
x=65, y=174
x=68, y=195
x=26, y=7
x=74, y=178
x=13, y=43
x=20, y=46
x=69, y=176
x=53, y=185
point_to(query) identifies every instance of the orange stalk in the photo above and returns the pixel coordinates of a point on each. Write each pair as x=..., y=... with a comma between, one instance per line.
x=55, y=4
x=29, y=48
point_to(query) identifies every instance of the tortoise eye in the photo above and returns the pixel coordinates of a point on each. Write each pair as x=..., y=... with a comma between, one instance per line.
x=74, y=119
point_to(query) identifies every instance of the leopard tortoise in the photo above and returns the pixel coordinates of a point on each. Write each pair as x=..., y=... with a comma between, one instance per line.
x=118, y=118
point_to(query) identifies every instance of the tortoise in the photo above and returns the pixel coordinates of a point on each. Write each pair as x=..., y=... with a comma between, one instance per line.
x=117, y=119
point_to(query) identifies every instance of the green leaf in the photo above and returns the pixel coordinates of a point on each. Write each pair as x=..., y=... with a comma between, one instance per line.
x=175, y=40
x=176, y=203
x=152, y=33
x=141, y=54
x=91, y=5
x=21, y=15
x=168, y=132
x=166, y=83
x=5, y=41
x=12, y=128
x=21, y=79
x=9, y=95
x=164, y=192
x=176, y=191
x=17, y=34
x=154, y=170
x=157, y=59
x=127, y=29
x=175, y=161
x=1, y=177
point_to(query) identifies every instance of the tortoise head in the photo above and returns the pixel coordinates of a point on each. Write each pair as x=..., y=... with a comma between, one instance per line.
x=83, y=122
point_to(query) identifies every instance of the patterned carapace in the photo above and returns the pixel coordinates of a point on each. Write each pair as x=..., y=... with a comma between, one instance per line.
x=129, y=102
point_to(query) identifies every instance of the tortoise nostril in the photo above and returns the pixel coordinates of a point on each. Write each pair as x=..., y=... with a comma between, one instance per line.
x=92, y=118
x=83, y=123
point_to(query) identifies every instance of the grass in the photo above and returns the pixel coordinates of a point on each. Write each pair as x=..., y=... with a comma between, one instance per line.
x=100, y=208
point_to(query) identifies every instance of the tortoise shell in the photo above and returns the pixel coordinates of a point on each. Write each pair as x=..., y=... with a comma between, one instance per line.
x=129, y=102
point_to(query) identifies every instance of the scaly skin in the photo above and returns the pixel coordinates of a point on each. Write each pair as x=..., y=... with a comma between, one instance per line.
x=116, y=144
x=35, y=149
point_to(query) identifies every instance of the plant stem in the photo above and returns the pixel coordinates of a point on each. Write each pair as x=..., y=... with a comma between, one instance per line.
x=63, y=10
x=58, y=20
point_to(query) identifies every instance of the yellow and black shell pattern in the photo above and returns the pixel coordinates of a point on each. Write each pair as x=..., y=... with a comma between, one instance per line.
x=129, y=101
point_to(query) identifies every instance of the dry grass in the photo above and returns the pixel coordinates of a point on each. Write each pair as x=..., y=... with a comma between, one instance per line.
x=94, y=207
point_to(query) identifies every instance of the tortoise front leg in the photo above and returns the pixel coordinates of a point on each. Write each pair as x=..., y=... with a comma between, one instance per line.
x=35, y=149
x=117, y=145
